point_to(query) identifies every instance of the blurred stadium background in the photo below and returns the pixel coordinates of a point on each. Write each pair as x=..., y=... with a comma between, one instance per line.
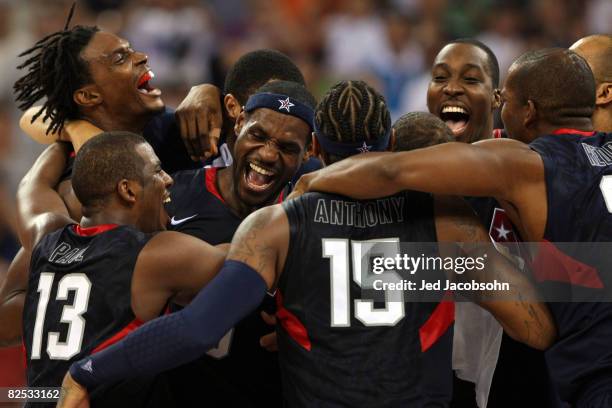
x=389, y=43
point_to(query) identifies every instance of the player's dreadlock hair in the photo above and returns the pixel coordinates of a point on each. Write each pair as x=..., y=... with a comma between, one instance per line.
x=352, y=111
x=55, y=71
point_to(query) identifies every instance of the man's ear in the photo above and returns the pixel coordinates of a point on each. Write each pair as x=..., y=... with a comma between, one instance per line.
x=317, y=151
x=128, y=190
x=496, y=99
x=232, y=106
x=240, y=121
x=87, y=96
x=603, y=94
x=392, y=141
x=530, y=114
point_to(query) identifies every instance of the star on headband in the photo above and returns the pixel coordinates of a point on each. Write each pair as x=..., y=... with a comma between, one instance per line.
x=364, y=148
x=285, y=104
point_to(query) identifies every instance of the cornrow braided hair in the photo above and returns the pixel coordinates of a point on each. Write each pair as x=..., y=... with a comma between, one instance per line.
x=352, y=111
x=55, y=70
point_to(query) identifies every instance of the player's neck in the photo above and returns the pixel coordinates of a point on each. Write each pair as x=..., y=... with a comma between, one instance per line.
x=583, y=124
x=602, y=119
x=109, y=123
x=91, y=218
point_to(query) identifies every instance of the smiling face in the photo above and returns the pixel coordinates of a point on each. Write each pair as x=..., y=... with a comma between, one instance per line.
x=154, y=193
x=121, y=77
x=267, y=153
x=461, y=92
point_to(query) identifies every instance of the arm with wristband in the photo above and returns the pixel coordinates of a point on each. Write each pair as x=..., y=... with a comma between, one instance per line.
x=172, y=340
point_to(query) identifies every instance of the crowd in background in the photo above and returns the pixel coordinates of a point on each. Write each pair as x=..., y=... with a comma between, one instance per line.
x=390, y=44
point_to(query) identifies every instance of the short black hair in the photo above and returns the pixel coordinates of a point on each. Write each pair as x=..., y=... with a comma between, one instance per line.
x=492, y=63
x=255, y=68
x=558, y=81
x=294, y=90
x=55, y=71
x=415, y=130
x=102, y=162
x=352, y=111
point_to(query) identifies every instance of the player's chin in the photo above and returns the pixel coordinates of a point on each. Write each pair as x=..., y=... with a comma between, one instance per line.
x=151, y=103
x=258, y=195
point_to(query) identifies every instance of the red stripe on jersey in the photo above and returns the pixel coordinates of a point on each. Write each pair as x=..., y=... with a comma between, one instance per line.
x=211, y=183
x=281, y=196
x=572, y=132
x=437, y=324
x=497, y=133
x=136, y=323
x=291, y=323
x=553, y=265
x=91, y=231
x=72, y=154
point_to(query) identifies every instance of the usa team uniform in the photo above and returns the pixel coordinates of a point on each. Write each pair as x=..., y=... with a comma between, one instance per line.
x=578, y=171
x=78, y=303
x=239, y=370
x=338, y=349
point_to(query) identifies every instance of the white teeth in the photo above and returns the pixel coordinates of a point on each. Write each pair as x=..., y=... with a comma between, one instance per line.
x=167, y=200
x=261, y=170
x=453, y=109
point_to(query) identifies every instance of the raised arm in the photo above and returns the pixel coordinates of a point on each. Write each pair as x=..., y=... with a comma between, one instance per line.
x=75, y=131
x=520, y=311
x=40, y=209
x=175, y=339
x=493, y=168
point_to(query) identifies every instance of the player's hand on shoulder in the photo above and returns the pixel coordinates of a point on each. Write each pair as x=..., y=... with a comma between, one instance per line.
x=302, y=186
x=199, y=117
x=73, y=394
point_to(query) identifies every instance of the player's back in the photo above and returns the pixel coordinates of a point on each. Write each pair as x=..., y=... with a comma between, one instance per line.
x=79, y=302
x=570, y=268
x=337, y=348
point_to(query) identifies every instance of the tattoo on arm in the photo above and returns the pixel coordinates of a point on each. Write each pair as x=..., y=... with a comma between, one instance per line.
x=247, y=246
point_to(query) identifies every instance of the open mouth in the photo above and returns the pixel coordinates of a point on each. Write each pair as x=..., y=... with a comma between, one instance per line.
x=258, y=178
x=456, y=118
x=166, y=199
x=144, y=87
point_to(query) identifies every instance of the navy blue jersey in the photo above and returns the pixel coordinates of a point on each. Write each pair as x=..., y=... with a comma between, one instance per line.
x=163, y=134
x=79, y=302
x=338, y=348
x=239, y=370
x=578, y=171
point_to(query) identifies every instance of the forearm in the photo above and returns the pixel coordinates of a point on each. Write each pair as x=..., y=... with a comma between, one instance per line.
x=38, y=204
x=11, y=311
x=451, y=168
x=37, y=129
x=175, y=339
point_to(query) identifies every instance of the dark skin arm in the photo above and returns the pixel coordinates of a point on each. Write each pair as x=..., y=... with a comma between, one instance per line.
x=522, y=314
x=505, y=169
x=12, y=297
x=40, y=209
x=172, y=267
x=199, y=117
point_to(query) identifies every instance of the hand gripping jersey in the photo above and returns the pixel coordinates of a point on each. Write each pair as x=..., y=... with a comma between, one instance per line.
x=239, y=370
x=79, y=302
x=578, y=171
x=339, y=349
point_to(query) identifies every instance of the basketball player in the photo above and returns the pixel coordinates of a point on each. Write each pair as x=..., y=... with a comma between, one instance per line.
x=548, y=100
x=597, y=51
x=93, y=282
x=397, y=356
x=209, y=203
x=463, y=90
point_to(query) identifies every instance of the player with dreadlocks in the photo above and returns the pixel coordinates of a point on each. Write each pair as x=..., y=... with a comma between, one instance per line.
x=329, y=353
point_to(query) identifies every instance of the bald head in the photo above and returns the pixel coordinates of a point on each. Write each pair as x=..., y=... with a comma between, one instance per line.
x=597, y=51
x=558, y=81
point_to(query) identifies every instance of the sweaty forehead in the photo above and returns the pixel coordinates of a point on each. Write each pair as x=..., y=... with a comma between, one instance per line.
x=145, y=151
x=458, y=55
x=279, y=125
x=102, y=44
